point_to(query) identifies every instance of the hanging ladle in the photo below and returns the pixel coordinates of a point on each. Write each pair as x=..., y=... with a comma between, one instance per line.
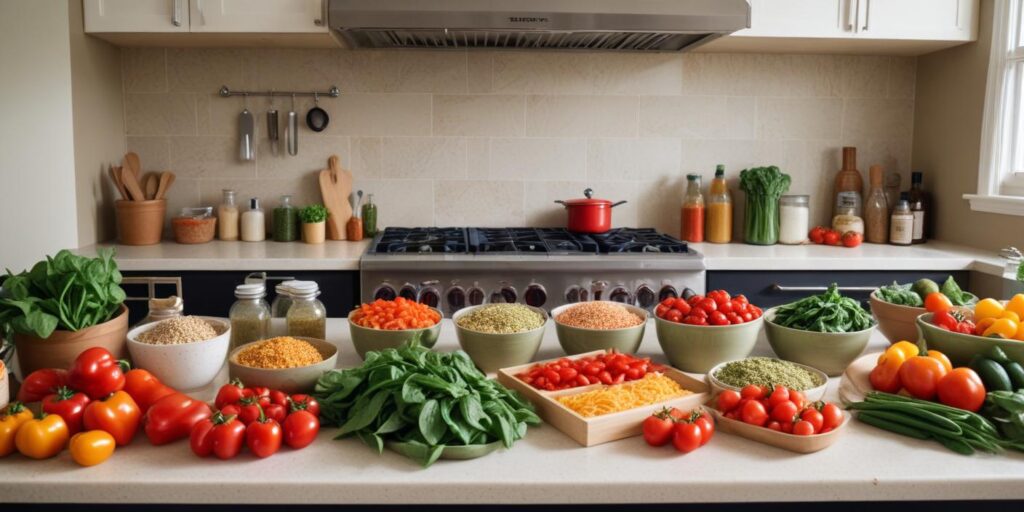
x=317, y=118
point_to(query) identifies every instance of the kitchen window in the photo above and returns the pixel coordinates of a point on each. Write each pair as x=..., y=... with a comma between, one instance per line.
x=1001, y=169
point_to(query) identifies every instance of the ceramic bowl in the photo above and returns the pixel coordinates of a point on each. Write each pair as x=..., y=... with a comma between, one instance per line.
x=830, y=352
x=577, y=340
x=960, y=348
x=366, y=339
x=184, y=366
x=697, y=348
x=451, y=452
x=289, y=380
x=815, y=393
x=896, y=322
x=490, y=351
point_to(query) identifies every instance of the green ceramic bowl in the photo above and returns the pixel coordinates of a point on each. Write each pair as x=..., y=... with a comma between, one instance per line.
x=960, y=348
x=830, y=352
x=365, y=339
x=466, y=452
x=491, y=352
x=698, y=348
x=289, y=380
x=577, y=340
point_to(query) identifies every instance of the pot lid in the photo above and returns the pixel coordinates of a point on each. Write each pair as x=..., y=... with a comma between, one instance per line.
x=587, y=201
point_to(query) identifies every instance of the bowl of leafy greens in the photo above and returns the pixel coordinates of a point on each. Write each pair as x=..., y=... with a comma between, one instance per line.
x=826, y=331
x=897, y=306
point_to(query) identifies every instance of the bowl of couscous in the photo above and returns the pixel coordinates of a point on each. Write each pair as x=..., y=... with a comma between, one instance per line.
x=500, y=335
x=289, y=363
x=185, y=352
x=599, y=325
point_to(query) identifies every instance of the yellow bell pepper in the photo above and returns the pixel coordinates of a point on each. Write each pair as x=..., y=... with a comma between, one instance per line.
x=904, y=348
x=1004, y=327
x=988, y=308
x=1016, y=305
x=42, y=438
x=935, y=354
x=885, y=376
x=92, y=447
x=13, y=417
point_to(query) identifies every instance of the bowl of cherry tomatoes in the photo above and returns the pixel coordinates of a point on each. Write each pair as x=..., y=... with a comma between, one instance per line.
x=701, y=331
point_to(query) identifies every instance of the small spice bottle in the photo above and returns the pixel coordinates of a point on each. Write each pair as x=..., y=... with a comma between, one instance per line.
x=369, y=217
x=901, y=224
x=254, y=227
x=692, y=220
x=848, y=220
x=162, y=309
x=227, y=217
x=307, y=316
x=286, y=221
x=249, y=315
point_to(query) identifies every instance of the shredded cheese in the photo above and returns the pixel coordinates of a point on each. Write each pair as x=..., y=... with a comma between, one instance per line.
x=651, y=389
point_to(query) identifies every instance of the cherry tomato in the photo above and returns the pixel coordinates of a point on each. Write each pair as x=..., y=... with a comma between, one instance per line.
x=797, y=398
x=681, y=305
x=673, y=315
x=803, y=428
x=279, y=397
x=784, y=412
x=264, y=437
x=812, y=416
x=920, y=376
x=739, y=307
x=686, y=437
x=741, y=298
x=698, y=312
x=734, y=318
x=718, y=318
x=832, y=416
x=727, y=400
x=962, y=388
x=936, y=301
x=774, y=425
x=707, y=428
x=695, y=320
x=817, y=234
x=787, y=427
x=708, y=305
x=300, y=429
x=852, y=239
x=661, y=310
x=694, y=299
x=725, y=307
x=753, y=391
x=753, y=413
x=831, y=237
x=945, y=320
x=657, y=429
x=275, y=412
x=779, y=394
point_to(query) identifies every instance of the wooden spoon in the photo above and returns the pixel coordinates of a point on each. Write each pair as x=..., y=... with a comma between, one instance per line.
x=151, y=183
x=166, y=180
x=131, y=161
x=115, y=175
x=132, y=184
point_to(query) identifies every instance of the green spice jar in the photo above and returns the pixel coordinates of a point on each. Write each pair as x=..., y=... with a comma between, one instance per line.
x=369, y=217
x=286, y=221
x=768, y=372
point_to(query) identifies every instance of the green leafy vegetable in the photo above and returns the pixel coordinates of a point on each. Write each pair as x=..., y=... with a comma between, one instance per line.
x=1006, y=410
x=313, y=213
x=763, y=187
x=67, y=291
x=417, y=401
x=899, y=294
x=828, y=312
x=952, y=291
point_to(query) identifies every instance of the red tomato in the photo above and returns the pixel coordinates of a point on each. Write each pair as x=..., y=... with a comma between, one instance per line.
x=803, y=428
x=832, y=415
x=945, y=320
x=779, y=394
x=831, y=237
x=686, y=437
x=741, y=298
x=657, y=429
x=718, y=318
x=738, y=306
x=264, y=437
x=753, y=413
x=852, y=239
x=727, y=400
x=797, y=398
x=681, y=305
x=817, y=234
x=300, y=429
x=787, y=427
x=668, y=302
x=962, y=388
x=813, y=417
x=708, y=305
x=695, y=320
x=707, y=428
x=774, y=425
x=726, y=306
x=936, y=301
x=920, y=376
x=734, y=318
x=784, y=412
x=753, y=391
x=694, y=299
x=279, y=397
x=661, y=310
x=699, y=313
x=275, y=412
x=754, y=311
x=673, y=315
x=747, y=316
x=303, y=401
x=719, y=296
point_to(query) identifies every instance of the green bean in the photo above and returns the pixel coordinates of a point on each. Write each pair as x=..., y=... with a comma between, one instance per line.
x=909, y=410
x=949, y=412
x=912, y=422
x=957, y=445
x=871, y=419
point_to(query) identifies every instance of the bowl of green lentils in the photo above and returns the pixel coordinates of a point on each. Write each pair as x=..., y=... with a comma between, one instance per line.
x=768, y=372
x=500, y=335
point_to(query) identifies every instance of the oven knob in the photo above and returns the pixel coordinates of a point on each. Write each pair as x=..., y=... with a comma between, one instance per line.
x=475, y=296
x=408, y=292
x=645, y=297
x=584, y=295
x=598, y=288
x=509, y=293
x=619, y=294
x=456, y=298
x=535, y=295
x=667, y=292
x=687, y=293
x=430, y=296
x=572, y=294
x=384, y=292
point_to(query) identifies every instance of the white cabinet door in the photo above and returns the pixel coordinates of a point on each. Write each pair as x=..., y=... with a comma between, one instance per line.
x=918, y=19
x=136, y=15
x=801, y=18
x=268, y=16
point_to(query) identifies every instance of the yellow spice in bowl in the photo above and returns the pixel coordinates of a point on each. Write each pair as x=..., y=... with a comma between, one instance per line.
x=279, y=353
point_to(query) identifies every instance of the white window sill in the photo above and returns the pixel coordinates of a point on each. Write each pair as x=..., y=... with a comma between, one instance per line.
x=1006, y=205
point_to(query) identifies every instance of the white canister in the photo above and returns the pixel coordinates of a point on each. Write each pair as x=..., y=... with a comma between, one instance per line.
x=794, y=219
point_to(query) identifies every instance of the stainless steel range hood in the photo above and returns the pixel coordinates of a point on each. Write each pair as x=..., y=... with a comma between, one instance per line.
x=613, y=25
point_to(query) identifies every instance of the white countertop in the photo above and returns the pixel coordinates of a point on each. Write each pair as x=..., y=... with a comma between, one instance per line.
x=217, y=255
x=546, y=467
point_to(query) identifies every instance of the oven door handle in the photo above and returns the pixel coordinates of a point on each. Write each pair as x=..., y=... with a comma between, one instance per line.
x=780, y=288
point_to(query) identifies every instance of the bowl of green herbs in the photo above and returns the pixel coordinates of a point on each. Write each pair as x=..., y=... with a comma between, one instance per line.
x=897, y=306
x=826, y=331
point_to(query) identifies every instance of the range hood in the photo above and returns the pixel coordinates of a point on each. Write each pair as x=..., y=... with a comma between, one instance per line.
x=613, y=25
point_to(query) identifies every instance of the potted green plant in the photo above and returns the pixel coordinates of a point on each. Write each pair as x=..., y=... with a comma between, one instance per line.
x=64, y=305
x=314, y=221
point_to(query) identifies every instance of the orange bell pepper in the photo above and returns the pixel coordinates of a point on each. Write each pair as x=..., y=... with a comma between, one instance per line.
x=117, y=414
x=91, y=448
x=935, y=354
x=13, y=417
x=42, y=438
x=886, y=374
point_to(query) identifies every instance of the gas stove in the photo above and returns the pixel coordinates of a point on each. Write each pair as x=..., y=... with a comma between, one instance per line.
x=452, y=267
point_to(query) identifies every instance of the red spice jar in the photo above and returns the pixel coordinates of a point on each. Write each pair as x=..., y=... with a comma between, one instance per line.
x=194, y=225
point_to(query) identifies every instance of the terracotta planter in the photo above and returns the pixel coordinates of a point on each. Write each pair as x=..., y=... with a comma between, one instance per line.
x=314, y=233
x=62, y=347
x=140, y=222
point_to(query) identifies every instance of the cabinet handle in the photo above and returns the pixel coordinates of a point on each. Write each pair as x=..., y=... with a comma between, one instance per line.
x=322, y=20
x=176, y=13
x=851, y=15
x=780, y=288
x=867, y=13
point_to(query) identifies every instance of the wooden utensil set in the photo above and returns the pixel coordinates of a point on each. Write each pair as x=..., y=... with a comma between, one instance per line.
x=134, y=186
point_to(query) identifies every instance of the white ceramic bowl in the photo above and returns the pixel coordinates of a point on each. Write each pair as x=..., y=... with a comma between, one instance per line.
x=185, y=366
x=813, y=394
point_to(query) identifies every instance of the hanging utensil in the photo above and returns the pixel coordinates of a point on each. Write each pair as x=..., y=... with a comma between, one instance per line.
x=291, y=130
x=317, y=118
x=246, y=132
x=272, y=126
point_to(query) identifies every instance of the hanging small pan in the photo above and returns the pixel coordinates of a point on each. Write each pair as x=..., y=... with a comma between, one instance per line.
x=317, y=118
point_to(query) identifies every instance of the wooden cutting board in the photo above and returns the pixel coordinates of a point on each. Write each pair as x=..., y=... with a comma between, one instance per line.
x=335, y=187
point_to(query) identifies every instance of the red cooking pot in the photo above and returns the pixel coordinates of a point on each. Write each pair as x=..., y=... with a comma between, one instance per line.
x=590, y=215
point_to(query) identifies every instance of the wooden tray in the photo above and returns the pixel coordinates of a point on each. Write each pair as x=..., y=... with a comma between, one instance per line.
x=791, y=442
x=855, y=382
x=604, y=428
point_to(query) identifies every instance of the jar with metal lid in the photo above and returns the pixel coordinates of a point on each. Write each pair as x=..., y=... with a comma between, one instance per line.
x=162, y=309
x=249, y=315
x=847, y=220
x=307, y=316
x=794, y=219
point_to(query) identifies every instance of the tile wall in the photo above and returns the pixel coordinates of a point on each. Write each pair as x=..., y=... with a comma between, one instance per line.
x=492, y=138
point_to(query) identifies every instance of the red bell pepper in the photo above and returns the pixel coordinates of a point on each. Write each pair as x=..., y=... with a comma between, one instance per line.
x=173, y=416
x=220, y=435
x=68, y=405
x=263, y=436
x=96, y=373
x=145, y=388
x=229, y=394
x=40, y=383
x=117, y=415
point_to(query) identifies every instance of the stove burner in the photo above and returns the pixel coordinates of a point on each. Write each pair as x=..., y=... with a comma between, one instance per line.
x=646, y=240
x=523, y=241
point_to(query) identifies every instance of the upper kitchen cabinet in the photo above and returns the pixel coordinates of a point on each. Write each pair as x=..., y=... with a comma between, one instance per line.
x=899, y=27
x=283, y=23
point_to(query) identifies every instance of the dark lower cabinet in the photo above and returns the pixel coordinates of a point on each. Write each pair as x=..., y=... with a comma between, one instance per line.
x=211, y=293
x=768, y=289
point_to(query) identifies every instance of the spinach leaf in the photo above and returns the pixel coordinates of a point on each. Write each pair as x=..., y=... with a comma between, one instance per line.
x=432, y=425
x=828, y=312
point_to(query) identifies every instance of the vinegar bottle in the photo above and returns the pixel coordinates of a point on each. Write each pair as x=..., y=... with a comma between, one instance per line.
x=692, y=225
x=719, y=209
x=849, y=187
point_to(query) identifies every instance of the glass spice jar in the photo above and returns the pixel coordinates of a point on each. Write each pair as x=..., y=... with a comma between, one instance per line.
x=249, y=315
x=162, y=309
x=307, y=316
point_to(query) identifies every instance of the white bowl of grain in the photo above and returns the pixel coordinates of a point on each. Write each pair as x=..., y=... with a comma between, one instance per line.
x=185, y=353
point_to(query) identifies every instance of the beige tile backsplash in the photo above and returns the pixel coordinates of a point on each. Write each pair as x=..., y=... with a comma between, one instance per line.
x=493, y=138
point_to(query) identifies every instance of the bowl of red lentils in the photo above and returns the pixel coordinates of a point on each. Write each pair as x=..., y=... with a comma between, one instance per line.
x=599, y=325
x=185, y=352
x=289, y=363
